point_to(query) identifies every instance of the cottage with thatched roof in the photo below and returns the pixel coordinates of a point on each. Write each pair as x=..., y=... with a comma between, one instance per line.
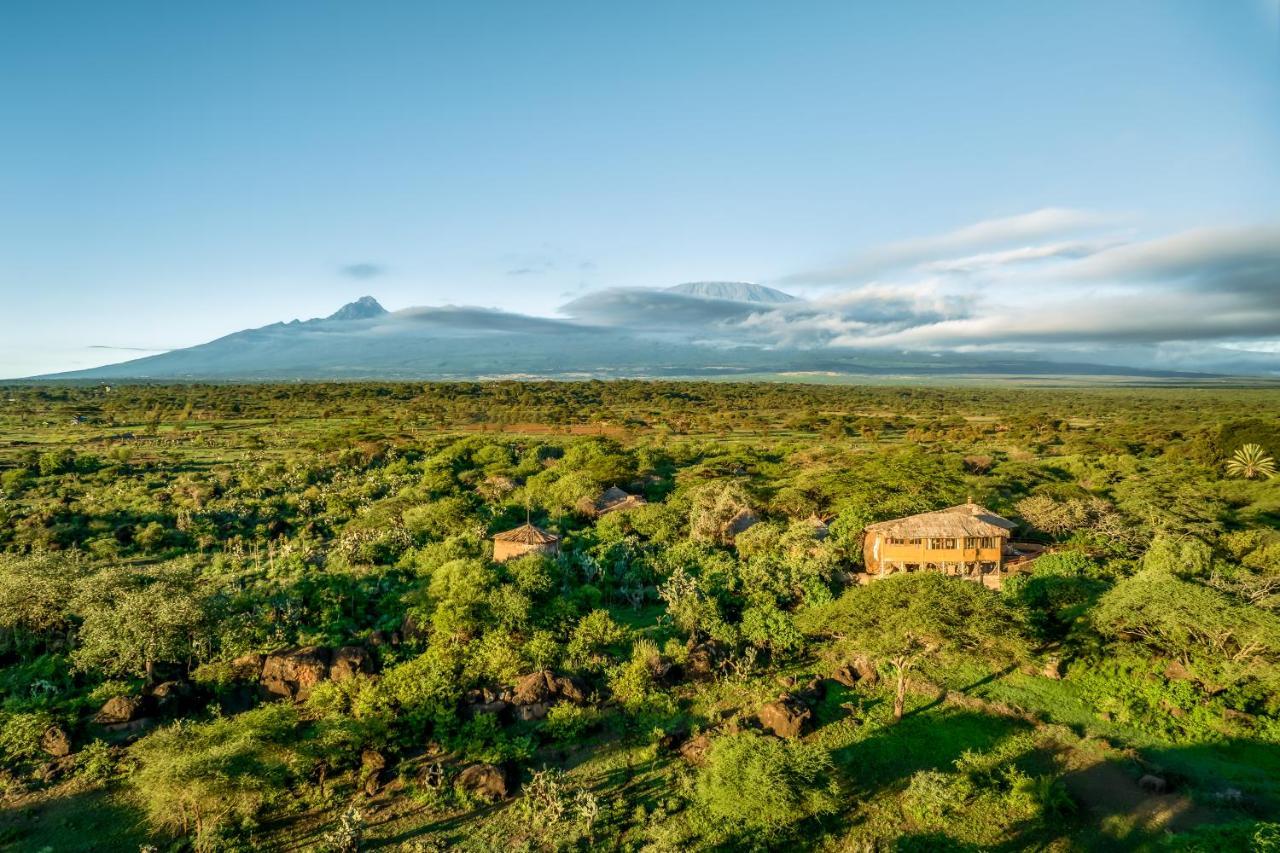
x=967, y=540
x=528, y=538
x=614, y=499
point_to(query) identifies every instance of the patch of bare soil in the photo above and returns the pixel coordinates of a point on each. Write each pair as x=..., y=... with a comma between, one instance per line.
x=1106, y=789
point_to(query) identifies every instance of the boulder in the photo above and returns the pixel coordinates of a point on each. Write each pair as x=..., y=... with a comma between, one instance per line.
x=673, y=740
x=703, y=661
x=1052, y=669
x=571, y=688
x=349, y=661
x=273, y=688
x=293, y=673
x=1153, y=784
x=1238, y=717
x=533, y=711
x=372, y=761
x=170, y=697
x=56, y=742
x=695, y=750
x=484, y=780
x=533, y=688
x=845, y=674
x=247, y=667
x=120, y=709
x=866, y=669
x=787, y=717
x=483, y=701
x=373, y=765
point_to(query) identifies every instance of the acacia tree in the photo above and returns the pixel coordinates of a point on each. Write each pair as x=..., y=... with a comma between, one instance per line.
x=1190, y=621
x=134, y=619
x=35, y=596
x=907, y=619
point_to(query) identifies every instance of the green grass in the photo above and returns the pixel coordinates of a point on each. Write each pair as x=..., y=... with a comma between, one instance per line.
x=98, y=820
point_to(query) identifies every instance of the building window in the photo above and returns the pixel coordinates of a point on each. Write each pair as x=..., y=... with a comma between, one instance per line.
x=942, y=544
x=970, y=542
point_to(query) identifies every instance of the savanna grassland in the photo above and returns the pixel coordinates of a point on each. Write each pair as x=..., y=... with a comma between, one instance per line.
x=267, y=617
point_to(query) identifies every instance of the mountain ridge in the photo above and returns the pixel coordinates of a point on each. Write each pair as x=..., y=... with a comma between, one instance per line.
x=363, y=341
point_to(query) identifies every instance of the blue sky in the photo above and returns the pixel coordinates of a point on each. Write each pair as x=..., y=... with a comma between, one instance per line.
x=173, y=172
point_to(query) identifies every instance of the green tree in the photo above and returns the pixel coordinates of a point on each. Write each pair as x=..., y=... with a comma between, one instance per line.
x=36, y=594
x=1190, y=621
x=1251, y=462
x=907, y=618
x=198, y=777
x=764, y=784
x=134, y=619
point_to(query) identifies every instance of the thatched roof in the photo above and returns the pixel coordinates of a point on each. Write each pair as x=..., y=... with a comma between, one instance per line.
x=964, y=520
x=614, y=498
x=527, y=534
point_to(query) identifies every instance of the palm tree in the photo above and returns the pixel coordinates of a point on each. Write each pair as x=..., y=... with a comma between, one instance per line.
x=1251, y=462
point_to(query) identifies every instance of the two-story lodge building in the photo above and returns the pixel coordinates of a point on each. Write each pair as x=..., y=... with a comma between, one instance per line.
x=966, y=540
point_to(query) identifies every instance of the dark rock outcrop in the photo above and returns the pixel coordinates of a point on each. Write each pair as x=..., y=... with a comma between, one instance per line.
x=788, y=717
x=349, y=661
x=120, y=709
x=704, y=661
x=56, y=742
x=533, y=695
x=484, y=780
x=695, y=750
x=171, y=697
x=293, y=673
x=533, y=688
x=373, y=769
x=484, y=700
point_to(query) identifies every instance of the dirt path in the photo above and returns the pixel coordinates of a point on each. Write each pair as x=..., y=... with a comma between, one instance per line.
x=1107, y=790
x=1099, y=781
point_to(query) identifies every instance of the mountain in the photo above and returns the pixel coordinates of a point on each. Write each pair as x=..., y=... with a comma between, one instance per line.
x=362, y=309
x=736, y=291
x=362, y=340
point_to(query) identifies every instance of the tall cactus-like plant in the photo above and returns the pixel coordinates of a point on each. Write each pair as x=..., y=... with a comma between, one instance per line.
x=1252, y=463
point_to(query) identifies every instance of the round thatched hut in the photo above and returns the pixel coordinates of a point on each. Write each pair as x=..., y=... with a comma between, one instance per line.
x=528, y=538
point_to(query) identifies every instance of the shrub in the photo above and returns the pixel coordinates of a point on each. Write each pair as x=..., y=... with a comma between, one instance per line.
x=20, y=736
x=933, y=796
x=95, y=763
x=567, y=722
x=764, y=784
x=201, y=777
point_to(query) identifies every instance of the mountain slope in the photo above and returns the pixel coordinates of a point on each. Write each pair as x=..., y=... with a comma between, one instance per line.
x=364, y=341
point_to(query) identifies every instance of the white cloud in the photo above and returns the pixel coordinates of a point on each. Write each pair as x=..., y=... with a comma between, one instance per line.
x=1005, y=232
